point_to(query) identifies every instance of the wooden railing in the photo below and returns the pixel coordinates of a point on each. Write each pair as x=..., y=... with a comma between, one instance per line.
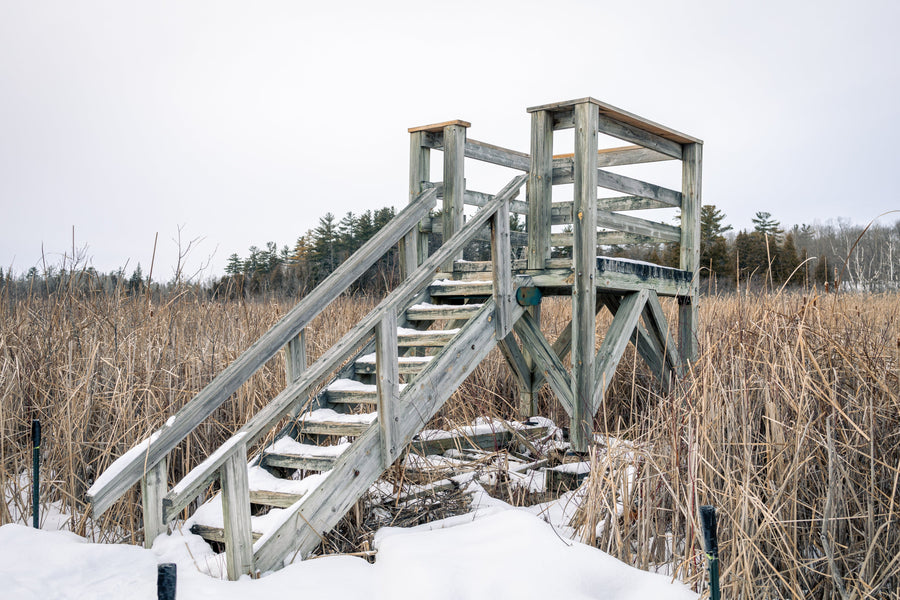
x=146, y=462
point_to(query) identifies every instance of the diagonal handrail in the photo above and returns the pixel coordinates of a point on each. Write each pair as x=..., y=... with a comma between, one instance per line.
x=129, y=468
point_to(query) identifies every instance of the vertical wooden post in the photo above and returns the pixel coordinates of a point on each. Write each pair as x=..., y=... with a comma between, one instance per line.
x=692, y=161
x=540, y=189
x=501, y=261
x=409, y=253
x=528, y=392
x=387, y=385
x=419, y=172
x=236, y=513
x=454, y=184
x=584, y=254
x=295, y=358
x=153, y=489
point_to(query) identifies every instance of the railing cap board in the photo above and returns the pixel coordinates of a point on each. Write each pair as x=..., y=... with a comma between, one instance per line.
x=620, y=115
x=435, y=127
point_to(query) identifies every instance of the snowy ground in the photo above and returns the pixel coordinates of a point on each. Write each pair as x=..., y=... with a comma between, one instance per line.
x=495, y=552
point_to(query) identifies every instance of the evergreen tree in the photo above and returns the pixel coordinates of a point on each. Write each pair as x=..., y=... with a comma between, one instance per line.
x=713, y=246
x=788, y=259
x=234, y=266
x=325, y=247
x=136, y=282
x=764, y=223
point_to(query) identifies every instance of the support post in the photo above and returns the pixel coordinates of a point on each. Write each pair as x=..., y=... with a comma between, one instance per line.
x=528, y=394
x=295, y=358
x=236, y=514
x=584, y=295
x=692, y=160
x=387, y=386
x=454, y=184
x=539, y=190
x=154, y=486
x=419, y=173
x=409, y=253
x=501, y=262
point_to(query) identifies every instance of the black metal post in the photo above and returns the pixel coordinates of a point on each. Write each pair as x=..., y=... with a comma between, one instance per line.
x=711, y=542
x=36, y=473
x=166, y=576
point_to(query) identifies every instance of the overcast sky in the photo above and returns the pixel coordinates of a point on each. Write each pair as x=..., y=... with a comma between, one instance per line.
x=244, y=122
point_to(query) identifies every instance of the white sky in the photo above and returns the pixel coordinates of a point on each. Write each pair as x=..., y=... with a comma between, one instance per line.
x=244, y=122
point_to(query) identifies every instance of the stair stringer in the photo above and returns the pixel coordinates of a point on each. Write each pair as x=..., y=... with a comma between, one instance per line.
x=361, y=465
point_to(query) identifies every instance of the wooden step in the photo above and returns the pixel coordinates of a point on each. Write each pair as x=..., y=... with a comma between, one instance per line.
x=409, y=365
x=298, y=461
x=350, y=391
x=215, y=534
x=435, y=312
x=447, y=287
x=276, y=499
x=289, y=453
x=413, y=338
x=328, y=422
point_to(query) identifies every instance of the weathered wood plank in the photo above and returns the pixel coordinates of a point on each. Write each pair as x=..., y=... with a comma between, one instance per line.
x=509, y=347
x=491, y=441
x=540, y=189
x=387, y=382
x=561, y=347
x=626, y=185
x=585, y=265
x=630, y=133
x=297, y=461
x=408, y=365
x=615, y=157
x=419, y=175
x=295, y=357
x=454, y=182
x=547, y=361
x=437, y=127
x=447, y=311
x=236, y=514
x=461, y=289
x=614, y=343
x=425, y=339
x=497, y=155
x=153, y=490
x=658, y=326
x=502, y=271
x=269, y=498
x=215, y=534
x=129, y=469
x=638, y=226
x=338, y=428
x=690, y=248
x=604, y=238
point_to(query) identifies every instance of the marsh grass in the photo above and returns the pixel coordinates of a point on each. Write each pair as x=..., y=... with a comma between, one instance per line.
x=789, y=423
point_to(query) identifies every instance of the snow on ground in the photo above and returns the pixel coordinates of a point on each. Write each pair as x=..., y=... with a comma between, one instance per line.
x=495, y=552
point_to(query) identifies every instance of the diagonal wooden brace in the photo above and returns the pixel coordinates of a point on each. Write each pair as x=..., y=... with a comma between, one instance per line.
x=614, y=343
x=547, y=361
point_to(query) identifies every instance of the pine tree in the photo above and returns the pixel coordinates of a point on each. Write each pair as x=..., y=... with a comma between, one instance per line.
x=234, y=266
x=325, y=241
x=137, y=280
x=713, y=246
x=764, y=223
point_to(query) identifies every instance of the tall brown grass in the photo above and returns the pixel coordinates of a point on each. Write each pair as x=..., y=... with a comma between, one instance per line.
x=789, y=423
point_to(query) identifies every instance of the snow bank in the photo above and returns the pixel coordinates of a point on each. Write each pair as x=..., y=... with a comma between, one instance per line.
x=496, y=553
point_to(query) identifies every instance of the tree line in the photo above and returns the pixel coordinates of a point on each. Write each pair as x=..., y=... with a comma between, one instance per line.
x=831, y=254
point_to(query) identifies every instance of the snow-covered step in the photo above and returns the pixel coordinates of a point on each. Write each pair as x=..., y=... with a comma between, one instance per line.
x=451, y=287
x=216, y=534
x=425, y=311
x=350, y=391
x=291, y=454
x=411, y=338
x=325, y=421
x=409, y=365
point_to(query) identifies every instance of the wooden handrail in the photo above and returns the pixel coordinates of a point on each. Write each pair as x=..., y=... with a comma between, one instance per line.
x=284, y=402
x=128, y=469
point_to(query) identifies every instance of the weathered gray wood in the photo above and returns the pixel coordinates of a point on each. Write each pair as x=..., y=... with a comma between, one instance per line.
x=647, y=345
x=563, y=110
x=236, y=514
x=215, y=534
x=516, y=238
x=295, y=357
x=604, y=238
x=540, y=189
x=461, y=289
x=638, y=226
x=502, y=271
x=297, y=461
x=447, y=311
x=497, y=155
x=409, y=253
x=106, y=491
x=585, y=265
x=479, y=199
x=269, y=498
x=509, y=347
x=339, y=428
x=547, y=361
x=561, y=347
x=388, y=384
x=425, y=339
x=626, y=185
x=419, y=175
x=614, y=343
x=352, y=397
x=644, y=138
x=454, y=182
x=408, y=365
x=438, y=127
x=690, y=248
x=153, y=490
x=491, y=441
x=561, y=212
x=528, y=394
x=658, y=326
x=357, y=468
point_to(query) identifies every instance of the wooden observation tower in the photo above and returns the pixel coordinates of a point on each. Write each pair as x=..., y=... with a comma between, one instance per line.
x=381, y=383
